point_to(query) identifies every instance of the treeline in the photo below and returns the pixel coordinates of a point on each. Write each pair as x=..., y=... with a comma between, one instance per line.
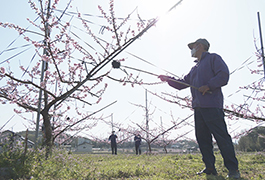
x=253, y=141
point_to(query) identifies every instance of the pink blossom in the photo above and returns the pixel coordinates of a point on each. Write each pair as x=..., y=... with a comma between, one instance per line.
x=2, y=70
x=99, y=99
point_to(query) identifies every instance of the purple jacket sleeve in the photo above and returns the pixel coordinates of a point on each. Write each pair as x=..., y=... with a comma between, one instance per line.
x=174, y=82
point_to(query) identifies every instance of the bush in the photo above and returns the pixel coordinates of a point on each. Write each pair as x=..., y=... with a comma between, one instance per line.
x=16, y=161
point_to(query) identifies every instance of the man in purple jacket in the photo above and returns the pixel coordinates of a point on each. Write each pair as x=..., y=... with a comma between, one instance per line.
x=205, y=80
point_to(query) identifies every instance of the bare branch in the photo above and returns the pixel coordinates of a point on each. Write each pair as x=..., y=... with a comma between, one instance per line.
x=83, y=119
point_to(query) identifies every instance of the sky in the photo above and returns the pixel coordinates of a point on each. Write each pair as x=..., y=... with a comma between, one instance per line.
x=230, y=26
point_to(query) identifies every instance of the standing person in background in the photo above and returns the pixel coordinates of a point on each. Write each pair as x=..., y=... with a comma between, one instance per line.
x=112, y=139
x=138, y=140
x=205, y=80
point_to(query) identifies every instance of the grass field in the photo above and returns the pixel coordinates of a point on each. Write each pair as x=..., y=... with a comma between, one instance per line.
x=129, y=166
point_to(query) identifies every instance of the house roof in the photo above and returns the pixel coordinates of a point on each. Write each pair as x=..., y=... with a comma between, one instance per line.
x=84, y=143
x=16, y=134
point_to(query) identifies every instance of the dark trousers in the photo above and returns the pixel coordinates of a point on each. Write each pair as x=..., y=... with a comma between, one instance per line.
x=114, y=149
x=208, y=122
x=137, y=149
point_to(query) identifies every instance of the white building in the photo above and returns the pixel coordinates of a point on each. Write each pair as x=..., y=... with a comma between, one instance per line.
x=84, y=145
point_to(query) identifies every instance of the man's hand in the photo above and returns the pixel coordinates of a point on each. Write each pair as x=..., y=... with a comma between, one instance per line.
x=164, y=78
x=204, y=89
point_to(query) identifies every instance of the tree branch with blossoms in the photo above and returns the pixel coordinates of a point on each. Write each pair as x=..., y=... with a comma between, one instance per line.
x=72, y=80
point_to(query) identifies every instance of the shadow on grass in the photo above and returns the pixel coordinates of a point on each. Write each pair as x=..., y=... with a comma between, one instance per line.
x=212, y=177
x=220, y=177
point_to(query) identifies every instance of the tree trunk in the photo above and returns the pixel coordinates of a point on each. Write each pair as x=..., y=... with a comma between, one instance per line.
x=149, y=147
x=48, y=132
x=165, y=148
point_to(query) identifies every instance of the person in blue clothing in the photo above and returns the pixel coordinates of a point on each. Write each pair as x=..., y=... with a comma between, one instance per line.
x=205, y=80
x=113, y=143
x=138, y=140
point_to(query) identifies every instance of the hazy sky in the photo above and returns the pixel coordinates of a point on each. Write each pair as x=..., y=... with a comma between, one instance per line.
x=230, y=26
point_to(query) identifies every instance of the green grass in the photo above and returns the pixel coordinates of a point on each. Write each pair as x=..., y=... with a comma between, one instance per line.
x=169, y=166
x=129, y=166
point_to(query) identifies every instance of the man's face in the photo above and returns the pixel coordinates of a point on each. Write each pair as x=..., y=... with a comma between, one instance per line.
x=194, y=50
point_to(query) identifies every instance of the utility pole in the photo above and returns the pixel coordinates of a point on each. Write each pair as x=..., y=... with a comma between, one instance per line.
x=112, y=127
x=146, y=116
x=54, y=106
x=43, y=68
x=261, y=42
x=162, y=129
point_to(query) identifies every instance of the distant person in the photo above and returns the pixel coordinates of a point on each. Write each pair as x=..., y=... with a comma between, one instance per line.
x=205, y=80
x=138, y=140
x=112, y=139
